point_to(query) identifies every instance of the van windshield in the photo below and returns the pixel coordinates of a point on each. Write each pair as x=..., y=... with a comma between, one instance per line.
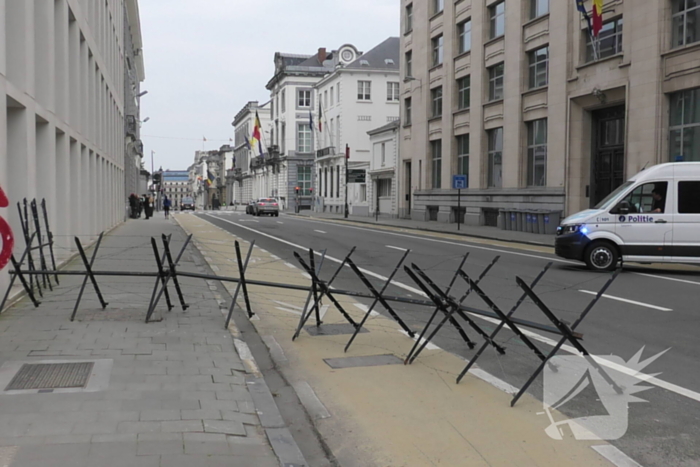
x=605, y=204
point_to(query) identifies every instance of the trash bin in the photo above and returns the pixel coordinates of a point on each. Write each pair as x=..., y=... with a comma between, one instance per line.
x=550, y=222
x=533, y=222
x=501, y=219
x=528, y=221
x=519, y=221
x=507, y=224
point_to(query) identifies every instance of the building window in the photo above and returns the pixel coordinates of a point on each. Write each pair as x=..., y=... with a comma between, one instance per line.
x=392, y=92
x=304, y=98
x=436, y=100
x=538, y=8
x=537, y=153
x=463, y=156
x=495, y=154
x=438, y=6
x=436, y=163
x=497, y=13
x=409, y=64
x=496, y=82
x=364, y=90
x=463, y=88
x=304, y=180
x=325, y=183
x=539, y=67
x=332, y=171
x=609, y=41
x=337, y=182
x=332, y=96
x=384, y=187
x=325, y=99
x=409, y=18
x=686, y=22
x=303, y=138
x=437, y=50
x=407, y=111
x=383, y=154
x=338, y=93
x=363, y=193
x=464, y=33
x=284, y=102
x=685, y=126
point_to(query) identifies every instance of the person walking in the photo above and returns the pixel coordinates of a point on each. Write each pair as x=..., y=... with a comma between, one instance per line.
x=148, y=206
x=166, y=207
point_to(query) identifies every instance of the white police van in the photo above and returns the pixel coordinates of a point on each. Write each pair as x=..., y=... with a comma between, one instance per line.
x=654, y=217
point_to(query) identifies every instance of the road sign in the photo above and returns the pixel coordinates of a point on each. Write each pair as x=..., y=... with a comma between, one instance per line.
x=459, y=182
x=357, y=176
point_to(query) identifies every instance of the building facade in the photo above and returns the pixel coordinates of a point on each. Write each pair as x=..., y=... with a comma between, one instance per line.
x=516, y=95
x=383, y=173
x=176, y=185
x=197, y=174
x=360, y=94
x=63, y=125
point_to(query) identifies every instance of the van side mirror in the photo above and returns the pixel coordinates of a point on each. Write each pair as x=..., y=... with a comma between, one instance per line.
x=623, y=208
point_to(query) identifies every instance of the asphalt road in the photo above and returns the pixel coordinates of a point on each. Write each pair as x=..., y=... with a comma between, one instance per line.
x=655, y=309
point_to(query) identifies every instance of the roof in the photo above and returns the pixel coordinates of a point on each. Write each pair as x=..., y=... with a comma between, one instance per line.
x=389, y=126
x=377, y=58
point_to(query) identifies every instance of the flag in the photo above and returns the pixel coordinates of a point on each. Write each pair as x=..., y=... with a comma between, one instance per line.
x=311, y=121
x=210, y=178
x=257, y=132
x=320, y=114
x=582, y=9
x=234, y=162
x=247, y=144
x=597, y=17
x=204, y=138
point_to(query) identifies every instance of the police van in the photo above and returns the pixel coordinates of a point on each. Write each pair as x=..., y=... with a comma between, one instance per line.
x=654, y=217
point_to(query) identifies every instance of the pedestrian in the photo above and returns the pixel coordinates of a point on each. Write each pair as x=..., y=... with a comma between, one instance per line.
x=166, y=207
x=134, y=206
x=148, y=206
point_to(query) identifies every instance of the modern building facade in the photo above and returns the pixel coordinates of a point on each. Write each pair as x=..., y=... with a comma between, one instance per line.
x=176, y=185
x=516, y=95
x=360, y=94
x=64, y=115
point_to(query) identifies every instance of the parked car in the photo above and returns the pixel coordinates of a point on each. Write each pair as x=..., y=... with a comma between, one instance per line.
x=250, y=207
x=187, y=203
x=268, y=206
x=652, y=218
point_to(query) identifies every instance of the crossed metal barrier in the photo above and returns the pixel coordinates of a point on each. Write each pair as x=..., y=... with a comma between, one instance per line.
x=442, y=301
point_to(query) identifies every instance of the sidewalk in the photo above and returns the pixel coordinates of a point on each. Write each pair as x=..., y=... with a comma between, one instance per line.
x=169, y=393
x=478, y=231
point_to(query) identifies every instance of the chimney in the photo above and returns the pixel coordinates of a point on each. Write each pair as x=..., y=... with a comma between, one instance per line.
x=322, y=55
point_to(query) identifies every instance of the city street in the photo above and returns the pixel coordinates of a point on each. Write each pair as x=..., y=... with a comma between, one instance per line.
x=646, y=307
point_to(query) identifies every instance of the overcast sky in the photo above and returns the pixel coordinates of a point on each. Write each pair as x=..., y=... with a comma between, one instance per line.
x=206, y=58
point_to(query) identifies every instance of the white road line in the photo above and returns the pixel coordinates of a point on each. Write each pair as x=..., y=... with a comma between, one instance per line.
x=365, y=308
x=289, y=311
x=290, y=265
x=650, y=379
x=619, y=299
x=466, y=243
x=280, y=222
x=429, y=346
x=614, y=455
x=396, y=248
x=306, y=275
x=319, y=231
x=324, y=310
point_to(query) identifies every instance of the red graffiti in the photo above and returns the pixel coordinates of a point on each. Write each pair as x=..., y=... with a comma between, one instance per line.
x=8, y=240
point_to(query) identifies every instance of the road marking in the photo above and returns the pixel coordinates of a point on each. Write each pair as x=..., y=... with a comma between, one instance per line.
x=397, y=248
x=621, y=368
x=471, y=245
x=365, y=309
x=319, y=231
x=280, y=222
x=289, y=265
x=422, y=340
x=289, y=311
x=614, y=455
x=619, y=299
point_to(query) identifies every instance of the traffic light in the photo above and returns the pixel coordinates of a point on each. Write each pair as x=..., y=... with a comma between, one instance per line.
x=297, y=190
x=156, y=179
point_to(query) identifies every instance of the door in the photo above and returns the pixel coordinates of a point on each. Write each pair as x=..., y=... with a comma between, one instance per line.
x=407, y=171
x=607, y=168
x=686, y=222
x=646, y=229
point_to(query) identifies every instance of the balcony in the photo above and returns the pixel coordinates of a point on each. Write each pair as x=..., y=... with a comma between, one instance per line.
x=329, y=151
x=131, y=127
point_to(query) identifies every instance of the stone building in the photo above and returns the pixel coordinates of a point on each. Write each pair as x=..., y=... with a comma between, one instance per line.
x=63, y=91
x=175, y=185
x=515, y=95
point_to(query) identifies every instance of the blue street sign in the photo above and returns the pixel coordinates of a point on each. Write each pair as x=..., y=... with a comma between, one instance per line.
x=459, y=182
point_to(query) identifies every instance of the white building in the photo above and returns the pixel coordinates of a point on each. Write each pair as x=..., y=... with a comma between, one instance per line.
x=359, y=95
x=383, y=170
x=257, y=171
x=197, y=176
x=293, y=102
x=64, y=104
x=176, y=186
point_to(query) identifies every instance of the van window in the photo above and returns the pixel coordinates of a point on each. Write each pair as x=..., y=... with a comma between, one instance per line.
x=647, y=198
x=605, y=204
x=689, y=197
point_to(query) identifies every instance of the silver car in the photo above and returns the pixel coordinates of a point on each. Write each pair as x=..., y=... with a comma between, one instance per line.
x=268, y=206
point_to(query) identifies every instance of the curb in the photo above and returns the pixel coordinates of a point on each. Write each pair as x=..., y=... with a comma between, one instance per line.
x=283, y=444
x=424, y=229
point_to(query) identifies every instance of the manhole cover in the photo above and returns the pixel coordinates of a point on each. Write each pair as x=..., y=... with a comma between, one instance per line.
x=332, y=329
x=51, y=376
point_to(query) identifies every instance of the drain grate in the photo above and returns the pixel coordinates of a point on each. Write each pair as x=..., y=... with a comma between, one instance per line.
x=51, y=376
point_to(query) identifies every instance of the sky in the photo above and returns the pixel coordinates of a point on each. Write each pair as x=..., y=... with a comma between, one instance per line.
x=205, y=59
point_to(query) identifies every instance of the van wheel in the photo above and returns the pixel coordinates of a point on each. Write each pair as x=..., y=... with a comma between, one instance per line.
x=601, y=256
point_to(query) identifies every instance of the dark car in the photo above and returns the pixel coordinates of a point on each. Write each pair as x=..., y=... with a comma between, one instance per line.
x=250, y=207
x=187, y=203
x=268, y=206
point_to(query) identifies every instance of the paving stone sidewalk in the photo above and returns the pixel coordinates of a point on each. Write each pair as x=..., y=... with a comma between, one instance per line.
x=168, y=393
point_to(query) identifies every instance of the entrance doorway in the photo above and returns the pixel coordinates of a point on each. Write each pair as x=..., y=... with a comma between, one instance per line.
x=607, y=167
